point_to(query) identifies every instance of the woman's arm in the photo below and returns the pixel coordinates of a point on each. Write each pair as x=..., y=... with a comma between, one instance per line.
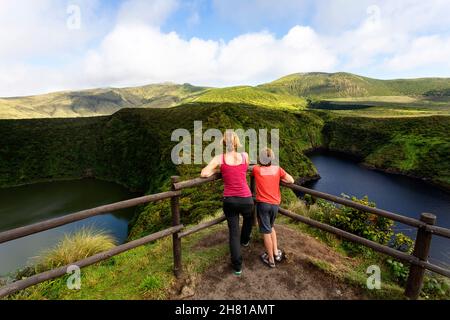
x=211, y=168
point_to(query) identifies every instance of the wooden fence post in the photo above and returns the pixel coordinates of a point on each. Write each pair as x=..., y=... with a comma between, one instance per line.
x=421, y=250
x=176, y=220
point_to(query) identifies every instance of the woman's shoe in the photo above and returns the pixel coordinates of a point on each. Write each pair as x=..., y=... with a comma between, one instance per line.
x=246, y=244
x=265, y=260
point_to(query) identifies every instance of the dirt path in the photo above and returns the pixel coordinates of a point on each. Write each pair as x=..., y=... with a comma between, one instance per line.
x=294, y=278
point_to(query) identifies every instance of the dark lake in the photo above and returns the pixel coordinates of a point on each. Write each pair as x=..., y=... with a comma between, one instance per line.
x=24, y=205
x=395, y=193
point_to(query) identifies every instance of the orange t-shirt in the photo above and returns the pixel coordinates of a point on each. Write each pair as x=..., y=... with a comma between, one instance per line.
x=267, y=180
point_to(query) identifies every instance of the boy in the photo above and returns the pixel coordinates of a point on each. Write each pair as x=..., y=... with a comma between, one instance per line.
x=268, y=198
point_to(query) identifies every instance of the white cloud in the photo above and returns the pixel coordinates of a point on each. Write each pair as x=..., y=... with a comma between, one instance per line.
x=38, y=53
x=161, y=56
x=427, y=51
x=38, y=28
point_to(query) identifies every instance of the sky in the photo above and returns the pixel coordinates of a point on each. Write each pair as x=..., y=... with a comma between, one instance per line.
x=53, y=45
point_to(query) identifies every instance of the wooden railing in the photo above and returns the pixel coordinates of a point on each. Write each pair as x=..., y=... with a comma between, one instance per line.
x=418, y=260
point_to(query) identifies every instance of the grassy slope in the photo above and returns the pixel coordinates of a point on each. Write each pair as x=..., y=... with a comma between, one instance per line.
x=95, y=102
x=141, y=273
x=252, y=96
x=338, y=85
x=146, y=272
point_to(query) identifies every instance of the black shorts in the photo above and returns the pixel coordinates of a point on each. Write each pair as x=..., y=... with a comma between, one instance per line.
x=266, y=216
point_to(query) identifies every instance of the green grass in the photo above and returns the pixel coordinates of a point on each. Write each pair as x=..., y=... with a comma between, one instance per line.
x=141, y=273
x=252, y=96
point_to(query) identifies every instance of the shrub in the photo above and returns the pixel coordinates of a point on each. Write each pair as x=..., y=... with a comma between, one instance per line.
x=436, y=287
x=364, y=224
x=361, y=223
x=403, y=243
x=74, y=247
x=398, y=270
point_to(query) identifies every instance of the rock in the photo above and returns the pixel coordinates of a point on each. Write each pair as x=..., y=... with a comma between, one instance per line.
x=186, y=292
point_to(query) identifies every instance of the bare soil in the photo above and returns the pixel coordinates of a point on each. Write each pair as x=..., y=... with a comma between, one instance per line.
x=296, y=277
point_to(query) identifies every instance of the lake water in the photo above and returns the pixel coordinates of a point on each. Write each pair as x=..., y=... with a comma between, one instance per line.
x=395, y=193
x=20, y=206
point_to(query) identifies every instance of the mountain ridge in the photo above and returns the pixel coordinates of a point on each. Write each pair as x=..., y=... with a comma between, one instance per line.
x=291, y=91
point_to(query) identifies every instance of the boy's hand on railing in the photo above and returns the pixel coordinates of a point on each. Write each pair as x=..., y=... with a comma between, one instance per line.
x=288, y=179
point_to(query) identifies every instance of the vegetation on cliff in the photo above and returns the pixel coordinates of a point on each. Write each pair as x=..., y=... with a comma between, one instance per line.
x=417, y=146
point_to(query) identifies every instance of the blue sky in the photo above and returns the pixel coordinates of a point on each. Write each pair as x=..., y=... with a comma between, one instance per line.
x=206, y=19
x=47, y=45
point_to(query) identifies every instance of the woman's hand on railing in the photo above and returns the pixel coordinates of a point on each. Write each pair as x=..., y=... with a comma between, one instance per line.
x=211, y=169
x=207, y=174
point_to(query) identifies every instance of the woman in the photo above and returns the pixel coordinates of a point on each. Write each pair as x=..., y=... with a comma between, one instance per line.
x=237, y=197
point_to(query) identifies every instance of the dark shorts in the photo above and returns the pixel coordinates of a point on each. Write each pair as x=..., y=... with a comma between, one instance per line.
x=266, y=216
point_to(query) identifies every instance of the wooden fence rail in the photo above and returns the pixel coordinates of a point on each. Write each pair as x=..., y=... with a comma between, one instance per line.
x=56, y=222
x=379, y=212
x=418, y=260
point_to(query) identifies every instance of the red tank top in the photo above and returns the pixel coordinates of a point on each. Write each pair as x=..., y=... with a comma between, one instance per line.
x=235, y=179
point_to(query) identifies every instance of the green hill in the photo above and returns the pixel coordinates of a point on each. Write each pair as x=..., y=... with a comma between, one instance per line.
x=96, y=102
x=340, y=85
x=290, y=92
x=252, y=96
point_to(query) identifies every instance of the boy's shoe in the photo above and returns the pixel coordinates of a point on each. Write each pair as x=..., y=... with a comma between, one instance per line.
x=246, y=244
x=265, y=260
x=279, y=256
x=237, y=272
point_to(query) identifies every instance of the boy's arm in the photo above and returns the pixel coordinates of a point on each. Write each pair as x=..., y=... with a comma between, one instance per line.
x=286, y=177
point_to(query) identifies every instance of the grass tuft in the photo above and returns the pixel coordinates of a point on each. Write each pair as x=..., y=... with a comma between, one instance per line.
x=76, y=246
